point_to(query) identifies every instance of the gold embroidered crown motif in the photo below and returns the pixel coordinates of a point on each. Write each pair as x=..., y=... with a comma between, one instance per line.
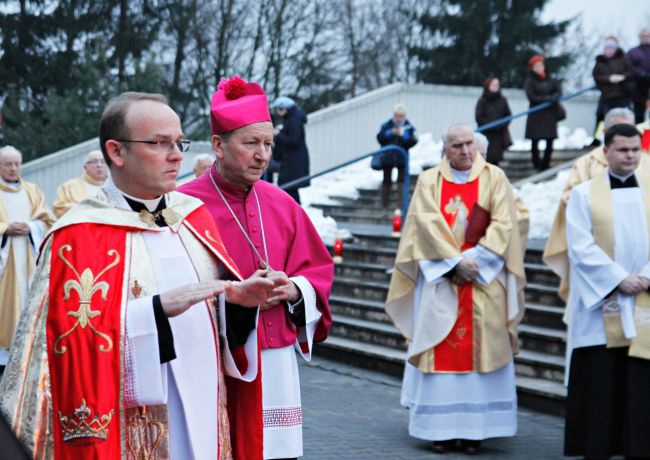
x=82, y=426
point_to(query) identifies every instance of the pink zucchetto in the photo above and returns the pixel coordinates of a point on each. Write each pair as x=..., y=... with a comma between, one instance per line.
x=237, y=103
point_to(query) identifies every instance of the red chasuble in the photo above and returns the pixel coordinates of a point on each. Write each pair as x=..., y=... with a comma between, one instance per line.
x=456, y=353
x=85, y=335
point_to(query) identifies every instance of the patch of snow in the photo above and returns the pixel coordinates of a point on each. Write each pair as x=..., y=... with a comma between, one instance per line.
x=542, y=200
x=566, y=140
x=345, y=182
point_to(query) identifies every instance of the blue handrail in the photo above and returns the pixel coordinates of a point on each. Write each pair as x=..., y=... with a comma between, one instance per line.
x=389, y=148
x=536, y=108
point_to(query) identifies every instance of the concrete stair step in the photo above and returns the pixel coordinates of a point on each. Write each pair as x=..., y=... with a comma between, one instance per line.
x=543, y=294
x=367, y=310
x=368, y=332
x=353, y=216
x=361, y=270
x=547, y=396
x=533, y=256
x=542, y=339
x=364, y=355
x=375, y=210
x=534, y=364
x=362, y=289
x=541, y=274
x=559, y=156
x=548, y=316
x=362, y=253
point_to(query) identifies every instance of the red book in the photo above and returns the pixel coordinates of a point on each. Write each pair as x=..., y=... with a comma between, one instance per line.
x=477, y=225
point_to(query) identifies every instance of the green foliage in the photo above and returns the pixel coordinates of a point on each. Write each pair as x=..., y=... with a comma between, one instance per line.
x=470, y=40
x=61, y=62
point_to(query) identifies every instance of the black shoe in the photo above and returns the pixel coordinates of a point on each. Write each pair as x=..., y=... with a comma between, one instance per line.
x=470, y=447
x=442, y=447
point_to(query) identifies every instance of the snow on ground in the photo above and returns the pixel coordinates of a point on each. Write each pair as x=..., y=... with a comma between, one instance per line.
x=541, y=199
x=566, y=140
x=345, y=182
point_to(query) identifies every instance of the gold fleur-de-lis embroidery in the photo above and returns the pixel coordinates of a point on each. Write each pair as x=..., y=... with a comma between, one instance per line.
x=86, y=286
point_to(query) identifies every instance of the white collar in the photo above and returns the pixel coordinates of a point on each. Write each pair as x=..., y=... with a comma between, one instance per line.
x=13, y=185
x=117, y=196
x=460, y=177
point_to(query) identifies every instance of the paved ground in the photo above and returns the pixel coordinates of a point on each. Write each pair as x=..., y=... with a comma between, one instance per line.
x=355, y=414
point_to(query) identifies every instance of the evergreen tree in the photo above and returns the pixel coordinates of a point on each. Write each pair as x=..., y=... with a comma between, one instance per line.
x=467, y=41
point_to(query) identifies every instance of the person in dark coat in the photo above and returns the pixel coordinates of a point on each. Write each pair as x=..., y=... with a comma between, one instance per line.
x=542, y=124
x=614, y=76
x=290, y=147
x=492, y=106
x=396, y=131
x=639, y=57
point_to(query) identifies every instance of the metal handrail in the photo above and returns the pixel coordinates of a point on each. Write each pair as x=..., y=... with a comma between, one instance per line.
x=535, y=108
x=389, y=148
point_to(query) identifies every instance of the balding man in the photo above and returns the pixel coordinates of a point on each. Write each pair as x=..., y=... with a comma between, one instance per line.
x=201, y=164
x=87, y=186
x=24, y=219
x=455, y=295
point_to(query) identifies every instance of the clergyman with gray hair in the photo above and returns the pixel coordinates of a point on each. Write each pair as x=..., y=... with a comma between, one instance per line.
x=396, y=131
x=458, y=268
x=87, y=186
x=585, y=167
x=24, y=219
x=201, y=163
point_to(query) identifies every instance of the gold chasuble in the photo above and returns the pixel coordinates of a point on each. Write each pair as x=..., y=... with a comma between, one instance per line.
x=72, y=192
x=467, y=328
x=10, y=308
x=603, y=231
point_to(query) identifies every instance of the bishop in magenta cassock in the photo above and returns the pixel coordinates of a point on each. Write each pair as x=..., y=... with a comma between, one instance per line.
x=262, y=226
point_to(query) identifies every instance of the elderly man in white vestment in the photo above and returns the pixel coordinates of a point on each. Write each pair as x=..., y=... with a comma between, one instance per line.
x=122, y=348
x=87, y=186
x=455, y=295
x=608, y=405
x=24, y=219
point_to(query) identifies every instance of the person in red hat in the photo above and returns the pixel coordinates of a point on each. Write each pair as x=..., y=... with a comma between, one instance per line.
x=541, y=125
x=263, y=227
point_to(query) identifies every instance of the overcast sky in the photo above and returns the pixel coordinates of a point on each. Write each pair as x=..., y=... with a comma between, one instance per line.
x=624, y=18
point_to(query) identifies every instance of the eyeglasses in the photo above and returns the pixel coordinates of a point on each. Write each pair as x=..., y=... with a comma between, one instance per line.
x=183, y=145
x=96, y=162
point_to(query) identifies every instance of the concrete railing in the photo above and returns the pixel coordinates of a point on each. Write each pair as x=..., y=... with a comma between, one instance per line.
x=337, y=133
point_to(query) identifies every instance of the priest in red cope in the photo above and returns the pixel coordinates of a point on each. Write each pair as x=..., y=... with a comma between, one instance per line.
x=263, y=227
x=121, y=350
